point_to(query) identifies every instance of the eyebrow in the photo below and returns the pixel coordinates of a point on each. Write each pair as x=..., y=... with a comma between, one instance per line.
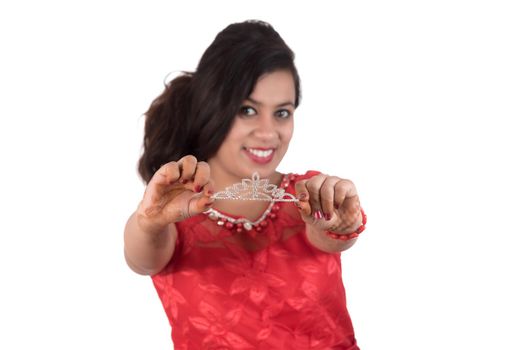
x=279, y=105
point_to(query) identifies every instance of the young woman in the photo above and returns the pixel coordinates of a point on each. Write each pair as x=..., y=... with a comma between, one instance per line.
x=240, y=274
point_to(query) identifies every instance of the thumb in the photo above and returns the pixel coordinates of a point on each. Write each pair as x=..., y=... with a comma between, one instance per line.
x=201, y=202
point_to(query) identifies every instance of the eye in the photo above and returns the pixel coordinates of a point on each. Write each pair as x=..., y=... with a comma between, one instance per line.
x=283, y=113
x=247, y=111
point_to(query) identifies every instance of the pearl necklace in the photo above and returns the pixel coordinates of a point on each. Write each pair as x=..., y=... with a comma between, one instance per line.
x=243, y=224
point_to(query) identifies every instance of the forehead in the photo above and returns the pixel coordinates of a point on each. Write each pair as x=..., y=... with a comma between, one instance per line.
x=274, y=88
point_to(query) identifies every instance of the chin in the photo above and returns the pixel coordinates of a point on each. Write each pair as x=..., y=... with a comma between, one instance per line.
x=265, y=171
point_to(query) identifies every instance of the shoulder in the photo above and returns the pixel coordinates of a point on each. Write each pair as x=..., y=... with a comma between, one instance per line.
x=291, y=179
x=307, y=175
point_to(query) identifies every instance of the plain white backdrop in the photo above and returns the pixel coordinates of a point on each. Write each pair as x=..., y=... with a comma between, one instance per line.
x=420, y=103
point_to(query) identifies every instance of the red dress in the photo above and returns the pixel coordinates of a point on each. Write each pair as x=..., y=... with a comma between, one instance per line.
x=254, y=290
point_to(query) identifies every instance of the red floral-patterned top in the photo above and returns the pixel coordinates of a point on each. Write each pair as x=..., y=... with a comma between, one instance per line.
x=254, y=290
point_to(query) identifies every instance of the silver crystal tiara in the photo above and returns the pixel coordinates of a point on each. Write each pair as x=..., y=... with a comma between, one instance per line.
x=255, y=189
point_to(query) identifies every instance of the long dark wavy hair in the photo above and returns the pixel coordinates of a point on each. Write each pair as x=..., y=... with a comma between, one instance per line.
x=194, y=113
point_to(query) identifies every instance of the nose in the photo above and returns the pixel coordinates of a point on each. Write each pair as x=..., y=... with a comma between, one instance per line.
x=265, y=128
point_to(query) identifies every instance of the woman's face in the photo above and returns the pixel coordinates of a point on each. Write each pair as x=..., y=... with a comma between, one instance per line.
x=261, y=131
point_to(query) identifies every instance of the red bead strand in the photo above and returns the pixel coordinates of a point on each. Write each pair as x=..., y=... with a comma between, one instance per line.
x=348, y=236
x=253, y=229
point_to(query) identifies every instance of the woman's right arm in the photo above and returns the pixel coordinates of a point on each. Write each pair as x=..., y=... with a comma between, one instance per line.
x=177, y=191
x=147, y=252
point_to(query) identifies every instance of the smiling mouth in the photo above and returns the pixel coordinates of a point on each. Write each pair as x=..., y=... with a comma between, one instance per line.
x=260, y=155
x=260, y=152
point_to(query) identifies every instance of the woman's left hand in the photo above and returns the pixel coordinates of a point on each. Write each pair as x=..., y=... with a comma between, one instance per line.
x=329, y=203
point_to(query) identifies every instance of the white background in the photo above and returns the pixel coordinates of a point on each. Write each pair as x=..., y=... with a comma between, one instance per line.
x=420, y=103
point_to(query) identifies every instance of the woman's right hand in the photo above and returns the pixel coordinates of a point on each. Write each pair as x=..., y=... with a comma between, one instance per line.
x=177, y=191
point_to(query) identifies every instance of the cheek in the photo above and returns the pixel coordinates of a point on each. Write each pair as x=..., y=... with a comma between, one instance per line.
x=233, y=139
x=238, y=132
x=287, y=133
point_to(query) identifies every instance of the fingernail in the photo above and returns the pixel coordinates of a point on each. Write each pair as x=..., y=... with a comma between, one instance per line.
x=318, y=215
x=184, y=182
x=327, y=216
x=336, y=206
x=198, y=188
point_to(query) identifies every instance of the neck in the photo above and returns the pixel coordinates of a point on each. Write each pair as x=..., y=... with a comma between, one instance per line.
x=248, y=209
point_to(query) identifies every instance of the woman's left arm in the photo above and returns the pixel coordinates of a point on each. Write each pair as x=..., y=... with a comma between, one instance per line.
x=330, y=207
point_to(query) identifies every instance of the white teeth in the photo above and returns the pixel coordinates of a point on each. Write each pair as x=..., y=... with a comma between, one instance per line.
x=260, y=153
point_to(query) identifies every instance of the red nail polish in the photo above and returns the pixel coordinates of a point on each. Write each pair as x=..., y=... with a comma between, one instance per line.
x=198, y=188
x=327, y=216
x=318, y=215
x=184, y=182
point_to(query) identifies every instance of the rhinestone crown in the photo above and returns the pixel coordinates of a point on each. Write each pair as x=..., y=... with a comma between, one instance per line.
x=255, y=189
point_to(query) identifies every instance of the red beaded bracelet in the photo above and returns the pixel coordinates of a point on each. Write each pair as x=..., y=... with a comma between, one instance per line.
x=348, y=236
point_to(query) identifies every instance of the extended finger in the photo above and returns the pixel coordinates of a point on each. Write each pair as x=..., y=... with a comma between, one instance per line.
x=313, y=187
x=327, y=192
x=187, y=166
x=202, y=176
